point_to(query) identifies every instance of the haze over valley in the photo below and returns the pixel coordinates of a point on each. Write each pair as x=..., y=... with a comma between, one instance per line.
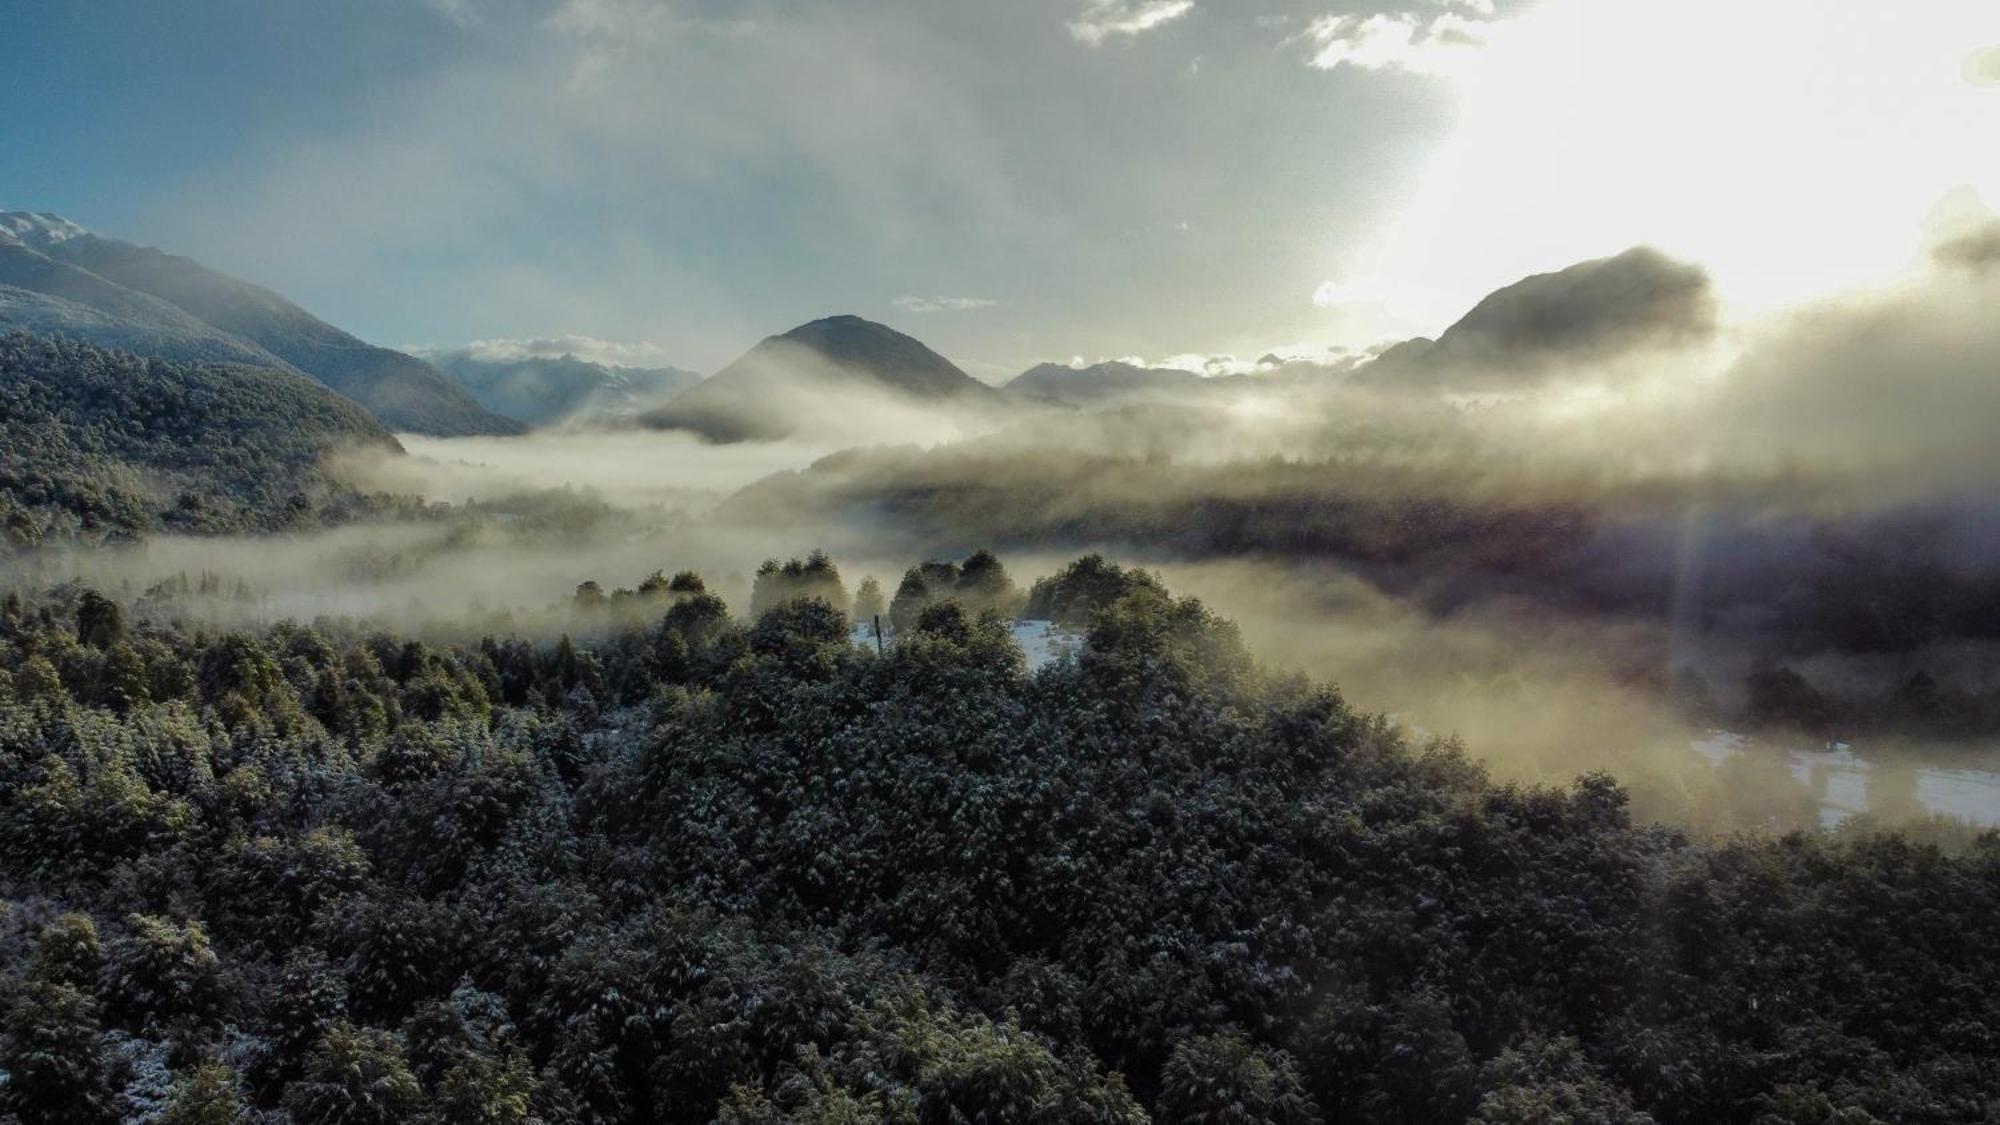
x=1106, y=560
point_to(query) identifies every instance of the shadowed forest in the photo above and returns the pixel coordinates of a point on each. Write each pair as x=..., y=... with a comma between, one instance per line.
x=352, y=876
x=933, y=562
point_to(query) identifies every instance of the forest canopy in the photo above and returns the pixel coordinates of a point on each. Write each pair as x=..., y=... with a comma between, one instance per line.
x=701, y=868
x=96, y=443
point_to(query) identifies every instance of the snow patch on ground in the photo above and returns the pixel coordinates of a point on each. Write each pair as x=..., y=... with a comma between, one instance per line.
x=863, y=635
x=1042, y=642
x=148, y=1080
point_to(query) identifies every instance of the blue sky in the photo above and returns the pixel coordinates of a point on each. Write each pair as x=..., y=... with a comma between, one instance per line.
x=1010, y=182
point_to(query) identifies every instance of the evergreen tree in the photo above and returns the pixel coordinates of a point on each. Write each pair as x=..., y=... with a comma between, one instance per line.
x=355, y=1076
x=207, y=1095
x=53, y=1054
x=868, y=603
x=1227, y=1080
x=99, y=621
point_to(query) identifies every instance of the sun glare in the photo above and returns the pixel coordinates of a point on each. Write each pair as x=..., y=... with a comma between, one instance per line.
x=1792, y=147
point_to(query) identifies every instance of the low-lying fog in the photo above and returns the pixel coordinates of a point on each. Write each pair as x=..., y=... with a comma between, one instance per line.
x=1536, y=695
x=629, y=468
x=1616, y=509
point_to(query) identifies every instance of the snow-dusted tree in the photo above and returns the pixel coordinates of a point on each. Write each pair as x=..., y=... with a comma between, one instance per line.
x=814, y=577
x=356, y=1076
x=1548, y=1078
x=1226, y=1079
x=868, y=603
x=67, y=951
x=53, y=1054
x=210, y=1094
x=160, y=973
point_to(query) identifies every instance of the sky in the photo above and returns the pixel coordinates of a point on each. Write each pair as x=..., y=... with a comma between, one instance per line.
x=1010, y=182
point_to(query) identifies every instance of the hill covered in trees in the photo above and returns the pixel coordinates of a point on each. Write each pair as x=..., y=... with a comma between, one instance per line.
x=97, y=443
x=702, y=869
x=41, y=295
x=58, y=276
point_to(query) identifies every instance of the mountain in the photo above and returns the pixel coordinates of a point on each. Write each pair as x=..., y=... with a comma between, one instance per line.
x=839, y=365
x=39, y=294
x=42, y=314
x=96, y=442
x=175, y=307
x=1118, y=384
x=1100, y=383
x=39, y=228
x=546, y=390
x=1586, y=313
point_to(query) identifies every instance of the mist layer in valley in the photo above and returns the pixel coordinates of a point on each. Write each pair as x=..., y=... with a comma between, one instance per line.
x=1594, y=519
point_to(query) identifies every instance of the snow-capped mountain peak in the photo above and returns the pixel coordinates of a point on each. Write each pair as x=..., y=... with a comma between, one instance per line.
x=38, y=228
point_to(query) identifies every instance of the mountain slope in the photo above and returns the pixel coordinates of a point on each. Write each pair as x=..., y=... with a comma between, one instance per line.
x=45, y=295
x=1100, y=383
x=41, y=314
x=1586, y=313
x=545, y=390
x=841, y=363
x=95, y=442
x=402, y=391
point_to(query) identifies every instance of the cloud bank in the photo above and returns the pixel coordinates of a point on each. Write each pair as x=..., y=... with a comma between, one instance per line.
x=1104, y=19
x=1420, y=43
x=942, y=304
x=590, y=349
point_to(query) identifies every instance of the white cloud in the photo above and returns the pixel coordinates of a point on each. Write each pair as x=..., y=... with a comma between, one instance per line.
x=1370, y=289
x=942, y=304
x=1216, y=364
x=1102, y=19
x=634, y=23
x=1373, y=307
x=1982, y=68
x=625, y=21
x=1416, y=42
x=608, y=32
x=611, y=353
x=460, y=12
x=1202, y=363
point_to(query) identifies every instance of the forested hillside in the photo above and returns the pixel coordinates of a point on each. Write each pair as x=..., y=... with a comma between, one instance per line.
x=713, y=870
x=56, y=276
x=97, y=443
x=44, y=296
x=401, y=390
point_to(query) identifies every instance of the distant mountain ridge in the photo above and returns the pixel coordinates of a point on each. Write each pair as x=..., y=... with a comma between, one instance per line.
x=839, y=362
x=1584, y=313
x=163, y=304
x=550, y=390
x=38, y=228
x=1099, y=382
